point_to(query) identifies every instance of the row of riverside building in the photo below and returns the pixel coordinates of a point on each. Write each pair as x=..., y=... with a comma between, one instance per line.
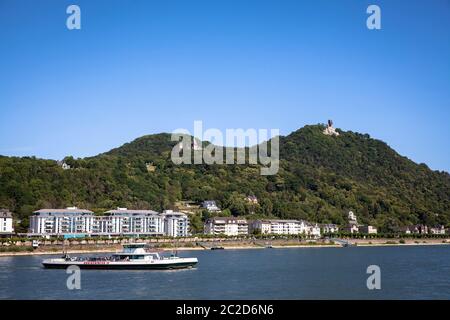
x=74, y=221
x=232, y=226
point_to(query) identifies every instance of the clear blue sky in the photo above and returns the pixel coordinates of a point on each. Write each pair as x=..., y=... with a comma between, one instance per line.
x=142, y=67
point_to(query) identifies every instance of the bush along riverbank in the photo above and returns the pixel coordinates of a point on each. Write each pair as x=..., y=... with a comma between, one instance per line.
x=12, y=249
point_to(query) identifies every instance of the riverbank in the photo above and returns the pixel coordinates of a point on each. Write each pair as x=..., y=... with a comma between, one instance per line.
x=228, y=245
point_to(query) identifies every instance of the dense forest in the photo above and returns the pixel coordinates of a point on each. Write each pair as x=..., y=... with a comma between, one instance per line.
x=320, y=178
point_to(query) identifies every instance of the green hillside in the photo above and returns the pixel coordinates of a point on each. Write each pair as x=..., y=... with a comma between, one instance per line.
x=320, y=178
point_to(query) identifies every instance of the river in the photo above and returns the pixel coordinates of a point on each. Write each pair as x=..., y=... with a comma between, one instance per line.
x=408, y=272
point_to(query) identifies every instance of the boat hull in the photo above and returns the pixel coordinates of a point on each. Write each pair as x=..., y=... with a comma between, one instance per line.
x=121, y=266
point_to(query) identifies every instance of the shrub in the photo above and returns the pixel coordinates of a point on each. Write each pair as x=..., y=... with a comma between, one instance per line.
x=16, y=249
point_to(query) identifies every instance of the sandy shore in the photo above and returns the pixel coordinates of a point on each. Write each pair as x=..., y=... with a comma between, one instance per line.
x=234, y=246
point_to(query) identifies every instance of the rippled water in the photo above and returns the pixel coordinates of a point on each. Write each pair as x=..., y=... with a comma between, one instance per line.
x=413, y=272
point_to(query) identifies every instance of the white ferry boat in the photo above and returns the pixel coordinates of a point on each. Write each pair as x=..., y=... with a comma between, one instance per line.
x=133, y=256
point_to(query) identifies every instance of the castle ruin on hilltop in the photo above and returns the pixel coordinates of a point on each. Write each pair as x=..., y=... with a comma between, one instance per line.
x=330, y=130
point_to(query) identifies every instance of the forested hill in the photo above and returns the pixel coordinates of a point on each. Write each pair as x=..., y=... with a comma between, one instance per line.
x=320, y=178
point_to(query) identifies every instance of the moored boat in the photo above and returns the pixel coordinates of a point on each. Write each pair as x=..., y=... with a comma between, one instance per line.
x=133, y=256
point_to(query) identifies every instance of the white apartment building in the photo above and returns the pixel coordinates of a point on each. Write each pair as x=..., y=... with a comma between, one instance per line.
x=272, y=226
x=6, y=222
x=61, y=221
x=229, y=226
x=286, y=227
x=120, y=221
x=125, y=221
x=176, y=224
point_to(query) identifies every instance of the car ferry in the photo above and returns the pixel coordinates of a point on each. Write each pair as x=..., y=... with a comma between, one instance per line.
x=133, y=256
